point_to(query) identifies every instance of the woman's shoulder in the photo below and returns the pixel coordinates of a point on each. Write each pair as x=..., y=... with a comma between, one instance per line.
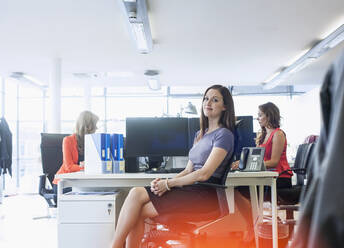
x=222, y=131
x=279, y=133
x=70, y=138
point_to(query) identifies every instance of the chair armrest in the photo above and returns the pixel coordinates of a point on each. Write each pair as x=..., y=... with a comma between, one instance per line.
x=49, y=191
x=288, y=207
x=214, y=185
x=299, y=170
x=41, y=186
x=296, y=170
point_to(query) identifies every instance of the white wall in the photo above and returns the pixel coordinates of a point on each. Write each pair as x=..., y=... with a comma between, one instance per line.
x=302, y=118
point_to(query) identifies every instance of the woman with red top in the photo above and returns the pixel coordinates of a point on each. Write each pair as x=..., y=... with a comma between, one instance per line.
x=275, y=142
x=73, y=145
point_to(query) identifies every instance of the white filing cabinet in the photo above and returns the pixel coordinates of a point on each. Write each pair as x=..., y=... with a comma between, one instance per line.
x=87, y=220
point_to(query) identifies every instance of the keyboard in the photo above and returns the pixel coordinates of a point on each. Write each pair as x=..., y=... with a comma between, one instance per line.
x=164, y=170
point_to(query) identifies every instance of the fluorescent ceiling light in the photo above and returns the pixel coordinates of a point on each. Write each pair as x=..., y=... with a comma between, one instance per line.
x=336, y=40
x=299, y=66
x=23, y=77
x=319, y=49
x=140, y=36
x=271, y=77
x=137, y=21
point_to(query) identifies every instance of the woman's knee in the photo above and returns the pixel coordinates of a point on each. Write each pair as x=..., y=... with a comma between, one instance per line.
x=139, y=194
x=148, y=211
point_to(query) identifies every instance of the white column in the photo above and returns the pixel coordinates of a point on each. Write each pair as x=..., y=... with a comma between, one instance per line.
x=87, y=97
x=2, y=178
x=54, y=123
x=2, y=96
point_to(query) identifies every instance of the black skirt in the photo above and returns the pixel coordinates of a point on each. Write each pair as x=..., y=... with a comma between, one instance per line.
x=187, y=199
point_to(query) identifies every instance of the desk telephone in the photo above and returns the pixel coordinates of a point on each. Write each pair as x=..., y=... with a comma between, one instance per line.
x=252, y=159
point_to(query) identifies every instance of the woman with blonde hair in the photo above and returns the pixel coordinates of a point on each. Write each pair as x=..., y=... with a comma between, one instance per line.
x=73, y=145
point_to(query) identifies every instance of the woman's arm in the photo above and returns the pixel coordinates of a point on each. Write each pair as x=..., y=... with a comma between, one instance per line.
x=277, y=148
x=215, y=158
x=67, y=147
x=188, y=169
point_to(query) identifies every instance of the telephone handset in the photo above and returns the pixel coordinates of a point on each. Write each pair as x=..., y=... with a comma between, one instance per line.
x=243, y=158
x=252, y=159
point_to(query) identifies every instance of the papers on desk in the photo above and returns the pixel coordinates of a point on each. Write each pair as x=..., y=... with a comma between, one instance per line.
x=92, y=193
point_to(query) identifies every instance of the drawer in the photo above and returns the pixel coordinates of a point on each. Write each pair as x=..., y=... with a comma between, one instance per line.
x=87, y=211
x=85, y=235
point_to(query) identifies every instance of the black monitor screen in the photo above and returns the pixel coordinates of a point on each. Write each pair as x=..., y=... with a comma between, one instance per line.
x=244, y=134
x=156, y=137
x=194, y=126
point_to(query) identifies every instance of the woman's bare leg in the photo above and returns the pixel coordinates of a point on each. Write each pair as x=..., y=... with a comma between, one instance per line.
x=130, y=214
x=135, y=235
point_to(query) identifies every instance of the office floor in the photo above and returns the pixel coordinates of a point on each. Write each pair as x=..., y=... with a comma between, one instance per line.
x=19, y=229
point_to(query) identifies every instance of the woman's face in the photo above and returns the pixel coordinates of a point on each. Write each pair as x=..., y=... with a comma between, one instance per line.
x=213, y=104
x=262, y=119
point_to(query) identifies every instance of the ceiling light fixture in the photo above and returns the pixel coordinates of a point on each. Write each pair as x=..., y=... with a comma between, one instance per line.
x=23, y=77
x=103, y=75
x=315, y=52
x=153, y=79
x=135, y=12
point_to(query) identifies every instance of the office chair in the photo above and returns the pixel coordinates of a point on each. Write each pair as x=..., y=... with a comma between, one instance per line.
x=186, y=228
x=288, y=198
x=51, y=154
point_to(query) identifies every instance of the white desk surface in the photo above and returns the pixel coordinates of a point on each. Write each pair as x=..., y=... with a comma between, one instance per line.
x=82, y=175
x=80, y=179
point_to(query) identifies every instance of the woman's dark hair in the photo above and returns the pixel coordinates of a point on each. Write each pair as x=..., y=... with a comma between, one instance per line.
x=227, y=118
x=273, y=117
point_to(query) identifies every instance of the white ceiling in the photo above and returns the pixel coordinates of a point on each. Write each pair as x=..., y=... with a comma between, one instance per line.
x=196, y=42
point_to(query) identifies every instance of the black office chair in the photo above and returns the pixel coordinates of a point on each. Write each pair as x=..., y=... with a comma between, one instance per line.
x=185, y=228
x=52, y=157
x=288, y=198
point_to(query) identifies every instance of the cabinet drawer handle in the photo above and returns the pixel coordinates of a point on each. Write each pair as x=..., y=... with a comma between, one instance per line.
x=109, y=208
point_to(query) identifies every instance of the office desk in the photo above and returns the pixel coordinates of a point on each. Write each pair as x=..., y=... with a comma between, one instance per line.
x=128, y=180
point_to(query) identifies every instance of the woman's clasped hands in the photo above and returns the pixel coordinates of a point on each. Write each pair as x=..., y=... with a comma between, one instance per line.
x=159, y=186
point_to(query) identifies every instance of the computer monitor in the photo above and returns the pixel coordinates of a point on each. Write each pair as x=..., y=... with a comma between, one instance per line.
x=193, y=127
x=156, y=137
x=244, y=134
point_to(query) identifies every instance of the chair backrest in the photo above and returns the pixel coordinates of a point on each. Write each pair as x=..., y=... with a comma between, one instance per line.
x=311, y=139
x=51, y=153
x=301, y=161
x=224, y=176
x=244, y=136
